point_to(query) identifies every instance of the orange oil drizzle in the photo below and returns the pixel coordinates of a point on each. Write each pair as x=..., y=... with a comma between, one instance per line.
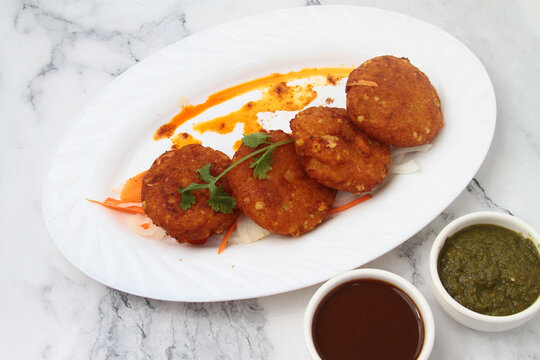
x=237, y=145
x=276, y=95
x=183, y=139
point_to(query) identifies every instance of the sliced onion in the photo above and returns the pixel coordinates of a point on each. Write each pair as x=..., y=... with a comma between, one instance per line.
x=404, y=168
x=153, y=231
x=343, y=197
x=398, y=154
x=247, y=231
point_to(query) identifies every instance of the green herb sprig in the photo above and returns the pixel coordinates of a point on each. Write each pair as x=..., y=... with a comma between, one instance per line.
x=219, y=200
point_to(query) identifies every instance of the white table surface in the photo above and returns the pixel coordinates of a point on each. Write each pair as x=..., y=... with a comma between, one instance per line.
x=57, y=55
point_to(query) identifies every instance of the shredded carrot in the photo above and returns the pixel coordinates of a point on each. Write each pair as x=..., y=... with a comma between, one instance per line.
x=115, y=205
x=112, y=201
x=226, y=237
x=131, y=191
x=349, y=205
x=145, y=225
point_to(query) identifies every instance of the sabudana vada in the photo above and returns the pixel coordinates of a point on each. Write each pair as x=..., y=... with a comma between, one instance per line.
x=161, y=199
x=394, y=102
x=288, y=201
x=336, y=153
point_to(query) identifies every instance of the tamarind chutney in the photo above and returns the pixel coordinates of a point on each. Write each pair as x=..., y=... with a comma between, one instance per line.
x=367, y=319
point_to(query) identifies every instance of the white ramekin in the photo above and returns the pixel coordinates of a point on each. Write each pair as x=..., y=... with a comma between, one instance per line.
x=399, y=282
x=459, y=312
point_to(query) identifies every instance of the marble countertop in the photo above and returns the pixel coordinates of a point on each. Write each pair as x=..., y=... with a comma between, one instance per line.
x=58, y=55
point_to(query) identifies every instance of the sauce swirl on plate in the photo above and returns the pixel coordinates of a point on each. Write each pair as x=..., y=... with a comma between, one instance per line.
x=276, y=94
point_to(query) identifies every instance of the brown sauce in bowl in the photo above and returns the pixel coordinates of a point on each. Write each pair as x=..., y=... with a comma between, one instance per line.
x=367, y=319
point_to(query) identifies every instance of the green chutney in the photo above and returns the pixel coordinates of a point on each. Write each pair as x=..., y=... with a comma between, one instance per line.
x=490, y=269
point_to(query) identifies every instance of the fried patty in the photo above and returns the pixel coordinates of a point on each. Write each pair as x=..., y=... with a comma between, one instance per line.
x=394, y=102
x=288, y=202
x=336, y=153
x=161, y=199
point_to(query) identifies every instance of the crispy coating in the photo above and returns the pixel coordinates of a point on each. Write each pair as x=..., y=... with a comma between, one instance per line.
x=394, y=102
x=161, y=199
x=336, y=153
x=288, y=202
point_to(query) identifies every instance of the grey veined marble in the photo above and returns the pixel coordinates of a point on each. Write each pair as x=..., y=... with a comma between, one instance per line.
x=134, y=327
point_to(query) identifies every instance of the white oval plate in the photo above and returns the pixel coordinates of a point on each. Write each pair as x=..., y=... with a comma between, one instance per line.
x=112, y=139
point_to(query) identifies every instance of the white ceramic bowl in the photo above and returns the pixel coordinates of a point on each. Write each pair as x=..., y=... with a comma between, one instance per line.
x=399, y=282
x=459, y=312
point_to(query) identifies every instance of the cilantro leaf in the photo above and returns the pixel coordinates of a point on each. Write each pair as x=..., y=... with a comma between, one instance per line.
x=262, y=164
x=204, y=174
x=255, y=139
x=187, y=200
x=220, y=201
x=187, y=197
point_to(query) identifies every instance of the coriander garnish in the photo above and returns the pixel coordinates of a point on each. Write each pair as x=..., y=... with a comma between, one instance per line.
x=219, y=200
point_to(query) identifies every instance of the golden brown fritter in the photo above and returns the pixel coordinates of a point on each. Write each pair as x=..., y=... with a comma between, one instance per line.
x=394, y=102
x=336, y=153
x=161, y=199
x=288, y=202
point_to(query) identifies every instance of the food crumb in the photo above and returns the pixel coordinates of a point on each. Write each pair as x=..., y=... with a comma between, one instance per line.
x=181, y=259
x=329, y=101
x=331, y=80
x=183, y=102
x=232, y=266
